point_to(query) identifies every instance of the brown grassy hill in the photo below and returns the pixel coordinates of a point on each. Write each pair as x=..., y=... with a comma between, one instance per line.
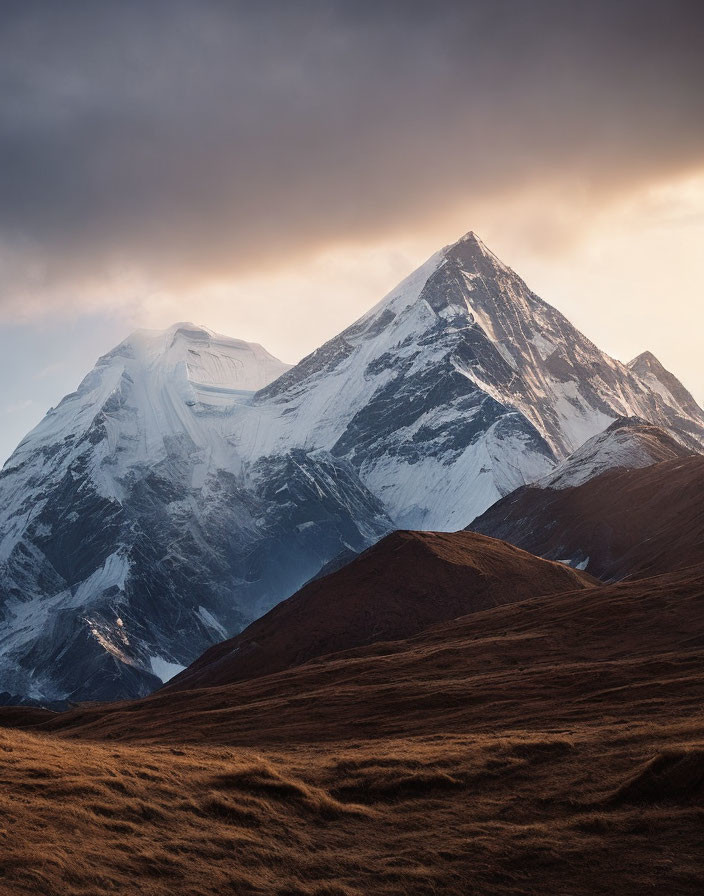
x=579, y=811
x=550, y=746
x=634, y=649
x=626, y=522
x=400, y=586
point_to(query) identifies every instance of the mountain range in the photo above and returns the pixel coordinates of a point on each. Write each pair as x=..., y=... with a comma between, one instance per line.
x=192, y=482
x=507, y=702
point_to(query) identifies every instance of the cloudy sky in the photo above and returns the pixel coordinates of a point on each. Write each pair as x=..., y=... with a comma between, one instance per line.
x=271, y=169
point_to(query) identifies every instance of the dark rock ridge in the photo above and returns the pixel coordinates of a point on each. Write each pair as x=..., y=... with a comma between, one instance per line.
x=624, y=523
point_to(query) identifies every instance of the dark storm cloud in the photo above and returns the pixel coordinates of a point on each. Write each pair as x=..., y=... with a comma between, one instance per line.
x=184, y=137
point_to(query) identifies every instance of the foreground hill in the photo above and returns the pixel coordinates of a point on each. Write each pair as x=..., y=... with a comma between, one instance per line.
x=539, y=747
x=404, y=584
x=593, y=654
x=623, y=523
x=576, y=809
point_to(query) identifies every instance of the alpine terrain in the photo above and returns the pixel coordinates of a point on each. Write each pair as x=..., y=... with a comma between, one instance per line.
x=645, y=520
x=134, y=534
x=192, y=481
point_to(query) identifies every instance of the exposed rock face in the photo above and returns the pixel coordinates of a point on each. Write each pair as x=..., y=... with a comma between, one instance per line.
x=664, y=383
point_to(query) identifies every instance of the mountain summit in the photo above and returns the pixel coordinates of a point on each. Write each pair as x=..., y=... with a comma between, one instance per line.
x=194, y=481
x=458, y=387
x=660, y=380
x=133, y=534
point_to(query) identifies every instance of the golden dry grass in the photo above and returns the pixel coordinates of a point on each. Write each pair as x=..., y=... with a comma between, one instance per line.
x=553, y=747
x=505, y=814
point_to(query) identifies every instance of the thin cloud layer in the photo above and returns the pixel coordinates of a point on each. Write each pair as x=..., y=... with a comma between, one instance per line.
x=185, y=142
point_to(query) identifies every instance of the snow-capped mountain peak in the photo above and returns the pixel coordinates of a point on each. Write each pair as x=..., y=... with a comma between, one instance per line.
x=629, y=443
x=133, y=531
x=459, y=386
x=211, y=360
x=662, y=381
x=154, y=391
x=473, y=253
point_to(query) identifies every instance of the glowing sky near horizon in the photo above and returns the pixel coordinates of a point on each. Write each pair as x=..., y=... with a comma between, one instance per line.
x=272, y=170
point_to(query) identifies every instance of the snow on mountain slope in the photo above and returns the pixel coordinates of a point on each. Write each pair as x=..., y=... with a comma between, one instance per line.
x=132, y=532
x=663, y=383
x=155, y=389
x=172, y=379
x=456, y=389
x=628, y=444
